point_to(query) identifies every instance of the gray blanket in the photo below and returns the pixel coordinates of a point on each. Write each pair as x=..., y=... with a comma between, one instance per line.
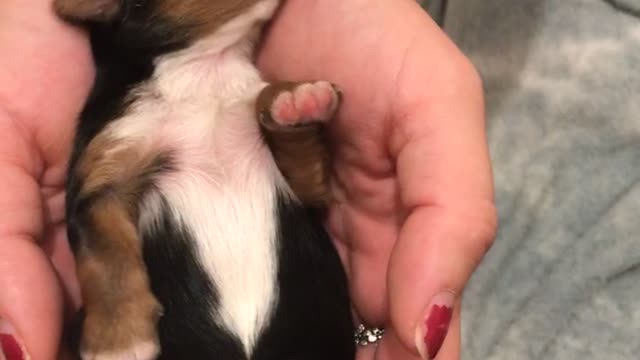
x=562, y=81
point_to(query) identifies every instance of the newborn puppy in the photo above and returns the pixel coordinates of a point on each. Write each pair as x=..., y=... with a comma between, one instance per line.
x=193, y=190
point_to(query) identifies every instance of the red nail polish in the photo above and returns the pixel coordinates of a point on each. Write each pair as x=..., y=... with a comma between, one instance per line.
x=432, y=332
x=11, y=348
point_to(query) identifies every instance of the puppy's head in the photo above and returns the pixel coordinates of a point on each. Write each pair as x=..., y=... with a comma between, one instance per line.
x=141, y=24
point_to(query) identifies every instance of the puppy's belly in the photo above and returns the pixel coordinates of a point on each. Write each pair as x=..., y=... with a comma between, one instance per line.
x=220, y=196
x=242, y=270
x=230, y=215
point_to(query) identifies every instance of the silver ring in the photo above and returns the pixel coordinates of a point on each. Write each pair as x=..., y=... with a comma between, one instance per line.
x=366, y=336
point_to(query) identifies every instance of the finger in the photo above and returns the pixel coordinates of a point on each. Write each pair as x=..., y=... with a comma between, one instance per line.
x=29, y=301
x=446, y=185
x=56, y=248
x=432, y=262
x=29, y=297
x=392, y=348
x=451, y=349
x=366, y=352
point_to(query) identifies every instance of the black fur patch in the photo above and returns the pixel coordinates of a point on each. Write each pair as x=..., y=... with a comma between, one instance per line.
x=313, y=318
x=187, y=329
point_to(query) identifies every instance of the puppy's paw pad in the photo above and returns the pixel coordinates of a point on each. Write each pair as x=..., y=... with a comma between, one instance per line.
x=147, y=350
x=309, y=102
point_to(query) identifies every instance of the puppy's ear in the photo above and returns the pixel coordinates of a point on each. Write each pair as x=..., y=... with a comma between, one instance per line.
x=88, y=10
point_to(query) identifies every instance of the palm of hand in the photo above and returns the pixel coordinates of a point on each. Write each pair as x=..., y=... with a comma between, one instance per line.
x=363, y=220
x=46, y=87
x=388, y=137
x=354, y=44
x=409, y=156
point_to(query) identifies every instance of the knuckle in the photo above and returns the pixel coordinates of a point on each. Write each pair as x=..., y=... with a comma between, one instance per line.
x=477, y=226
x=471, y=75
x=464, y=77
x=483, y=228
x=466, y=70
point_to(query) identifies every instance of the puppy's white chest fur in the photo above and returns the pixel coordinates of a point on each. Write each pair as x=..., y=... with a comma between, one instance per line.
x=199, y=107
x=224, y=192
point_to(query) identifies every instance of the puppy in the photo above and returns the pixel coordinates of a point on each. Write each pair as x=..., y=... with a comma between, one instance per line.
x=193, y=191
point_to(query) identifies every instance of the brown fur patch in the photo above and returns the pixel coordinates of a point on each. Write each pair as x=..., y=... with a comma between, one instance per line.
x=119, y=305
x=97, y=10
x=301, y=152
x=199, y=17
x=125, y=170
x=202, y=17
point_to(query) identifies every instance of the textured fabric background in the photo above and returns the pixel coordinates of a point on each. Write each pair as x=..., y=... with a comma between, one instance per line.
x=562, y=81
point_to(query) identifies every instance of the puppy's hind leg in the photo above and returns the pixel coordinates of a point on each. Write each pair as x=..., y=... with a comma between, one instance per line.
x=292, y=118
x=121, y=313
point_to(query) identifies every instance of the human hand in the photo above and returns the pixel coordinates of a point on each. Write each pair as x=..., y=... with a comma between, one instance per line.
x=414, y=210
x=380, y=134
x=45, y=72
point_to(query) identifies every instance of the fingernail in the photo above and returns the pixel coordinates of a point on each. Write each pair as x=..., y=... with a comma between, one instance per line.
x=10, y=347
x=434, y=325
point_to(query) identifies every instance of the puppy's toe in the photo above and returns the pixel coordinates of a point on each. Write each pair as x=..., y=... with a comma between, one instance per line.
x=308, y=102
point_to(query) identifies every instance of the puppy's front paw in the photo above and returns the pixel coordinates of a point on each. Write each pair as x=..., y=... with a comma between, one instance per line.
x=128, y=331
x=307, y=102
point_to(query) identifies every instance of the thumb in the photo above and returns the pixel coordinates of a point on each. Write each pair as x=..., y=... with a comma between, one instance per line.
x=446, y=186
x=30, y=299
x=30, y=302
x=433, y=260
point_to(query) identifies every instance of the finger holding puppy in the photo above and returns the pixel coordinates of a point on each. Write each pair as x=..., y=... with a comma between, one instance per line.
x=38, y=52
